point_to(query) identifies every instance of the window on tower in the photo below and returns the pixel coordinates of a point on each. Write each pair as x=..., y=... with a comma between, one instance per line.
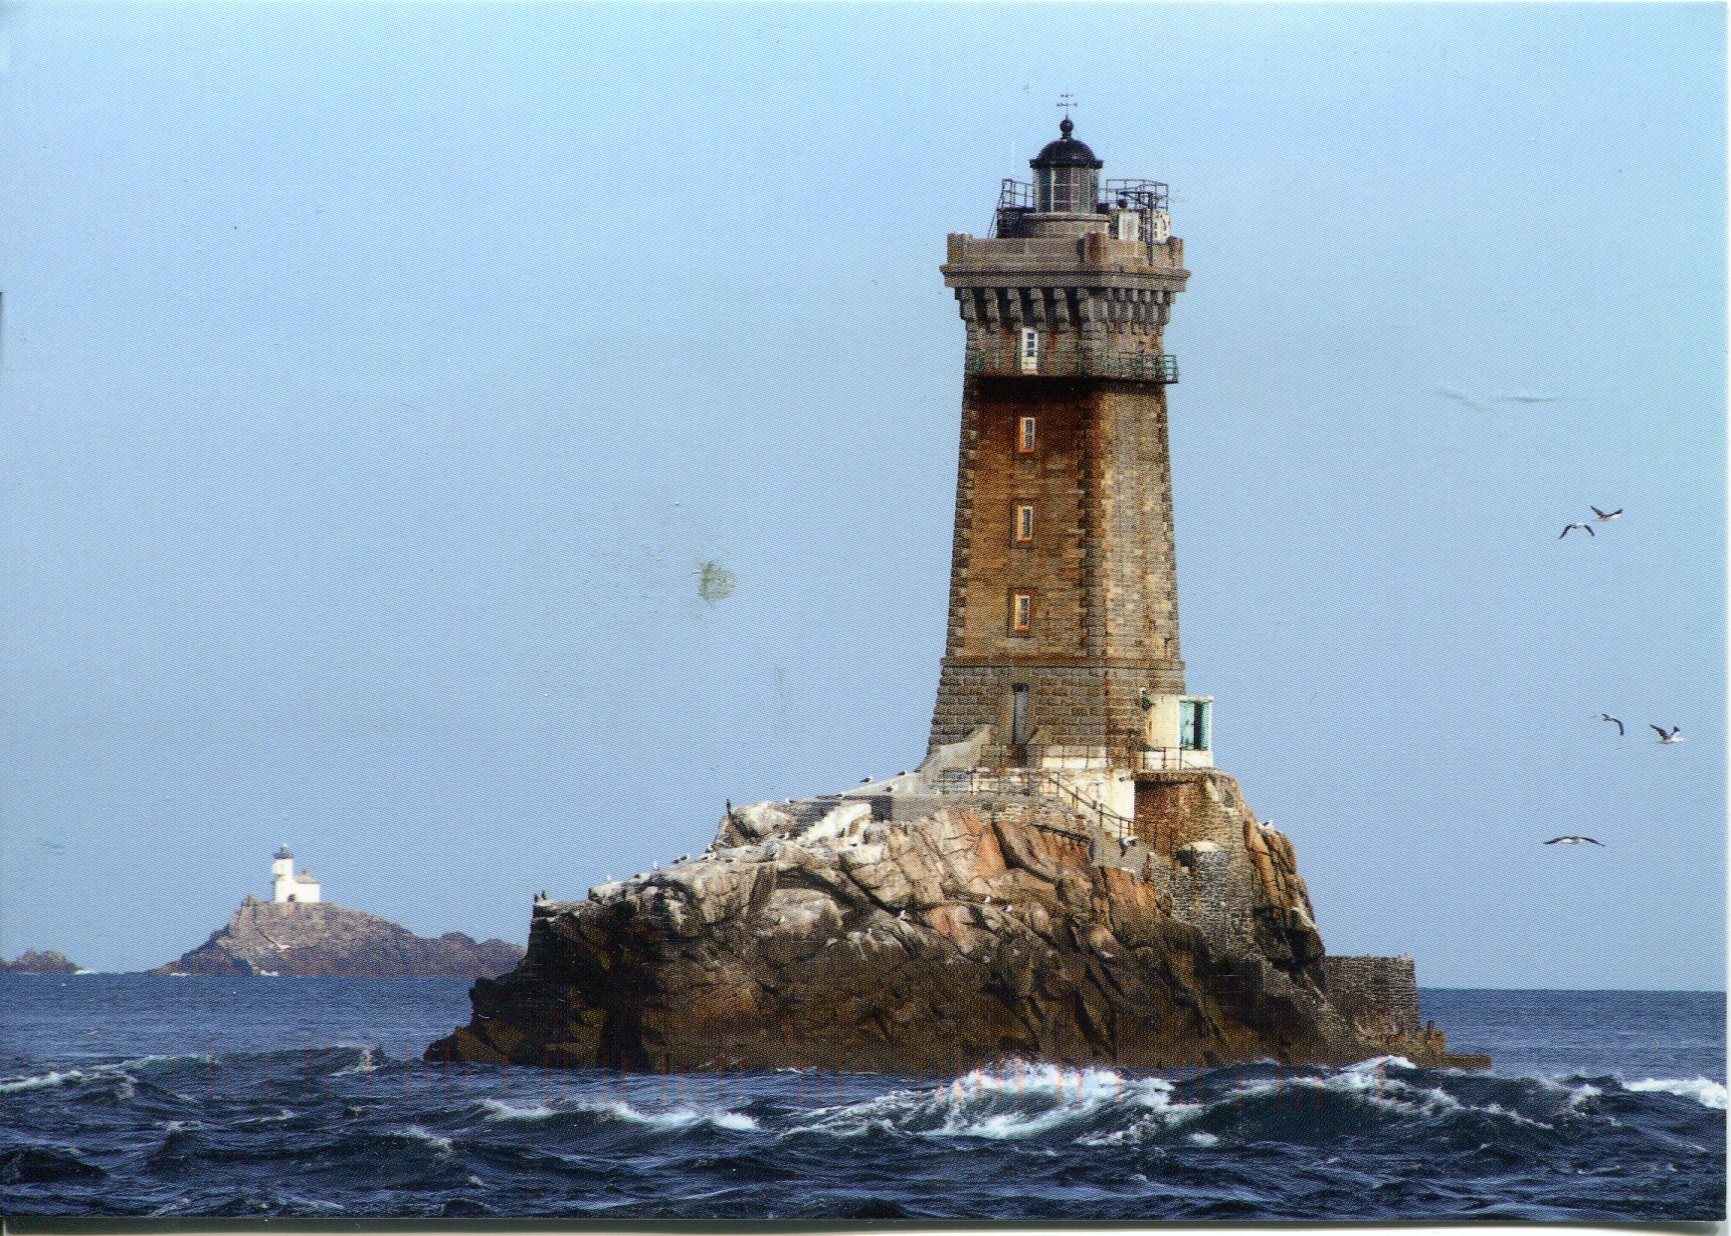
x=1021, y=612
x=1024, y=523
x=1030, y=352
x=1193, y=724
x=1025, y=436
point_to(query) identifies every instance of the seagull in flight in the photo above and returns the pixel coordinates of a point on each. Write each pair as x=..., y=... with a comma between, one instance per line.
x=1605, y=716
x=1483, y=402
x=1606, y=517
x=1674, y=734
x=1587, y=528
x=1573, y=841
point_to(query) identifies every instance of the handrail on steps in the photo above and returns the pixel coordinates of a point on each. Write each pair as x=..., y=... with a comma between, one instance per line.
x=1045, y=778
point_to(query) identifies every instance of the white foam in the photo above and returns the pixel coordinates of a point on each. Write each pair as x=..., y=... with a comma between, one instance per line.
x=141, y=1061
x=497, y=1109
x=677, y=1118
x=441, y=1144
x=43, y=1080
x=366, y=1064
x=284, y=1115
x=1010, y=1103
x=1704, y=1090
x=1203, y=1139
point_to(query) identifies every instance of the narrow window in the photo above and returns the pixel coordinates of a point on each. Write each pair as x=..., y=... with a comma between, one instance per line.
x=1024, y=523
x=1030, y=354
x=1025, y=436
x=1022, y=612
x=1019, y=714
x=1193, y=725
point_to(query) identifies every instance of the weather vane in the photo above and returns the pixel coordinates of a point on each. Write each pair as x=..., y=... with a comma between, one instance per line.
x=1066, y=101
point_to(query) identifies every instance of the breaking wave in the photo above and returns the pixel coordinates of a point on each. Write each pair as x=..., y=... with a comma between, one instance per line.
x=356, y=1129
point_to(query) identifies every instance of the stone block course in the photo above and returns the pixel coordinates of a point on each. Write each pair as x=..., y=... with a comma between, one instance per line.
x=1378, y=995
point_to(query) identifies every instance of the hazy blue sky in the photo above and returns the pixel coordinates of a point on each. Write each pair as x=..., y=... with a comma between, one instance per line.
x=377, y=380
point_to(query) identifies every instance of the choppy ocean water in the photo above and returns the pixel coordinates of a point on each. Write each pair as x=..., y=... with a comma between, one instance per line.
x=147, y=1095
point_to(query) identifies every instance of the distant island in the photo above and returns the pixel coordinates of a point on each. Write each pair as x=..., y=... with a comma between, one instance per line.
x=299, y=935
x=34, y=962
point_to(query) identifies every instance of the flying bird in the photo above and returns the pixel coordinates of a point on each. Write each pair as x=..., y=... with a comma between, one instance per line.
x=1605, y=716
x=1526, y=397
x=1674, y=734
x=1573, y=841
x=1606, y=517
x=1483, y=402
x=1587, y=528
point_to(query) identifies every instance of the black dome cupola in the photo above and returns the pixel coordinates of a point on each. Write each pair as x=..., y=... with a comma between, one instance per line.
x=1066, y=151
x=1066, y=175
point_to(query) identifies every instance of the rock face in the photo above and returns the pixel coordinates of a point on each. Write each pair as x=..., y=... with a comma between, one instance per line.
x=33, y=962
x=326, y=940
x=833, y=933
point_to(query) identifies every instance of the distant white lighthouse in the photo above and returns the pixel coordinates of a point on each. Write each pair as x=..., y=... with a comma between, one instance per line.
x=289, y=886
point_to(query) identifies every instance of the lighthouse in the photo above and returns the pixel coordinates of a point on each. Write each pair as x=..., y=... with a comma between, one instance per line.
x=1062, y=647
x=286, y=884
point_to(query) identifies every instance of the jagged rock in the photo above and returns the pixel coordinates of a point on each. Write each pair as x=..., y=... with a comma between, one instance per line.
x=34, y=962
x=811, y=934
x=321, y=939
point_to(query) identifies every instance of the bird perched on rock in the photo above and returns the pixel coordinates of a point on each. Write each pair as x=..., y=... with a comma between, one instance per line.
x=1606, y=517
x=1605, y=716
x=1674, y=734
x=1573, y=841
x=1587, y=528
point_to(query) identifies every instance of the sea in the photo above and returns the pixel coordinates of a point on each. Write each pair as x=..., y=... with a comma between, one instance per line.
x=145, y=1095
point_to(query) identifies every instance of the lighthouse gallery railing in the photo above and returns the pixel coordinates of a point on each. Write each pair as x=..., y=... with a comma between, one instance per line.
x=1068, y=362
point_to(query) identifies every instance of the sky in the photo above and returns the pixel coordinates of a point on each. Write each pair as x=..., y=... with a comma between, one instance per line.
x=382, y=382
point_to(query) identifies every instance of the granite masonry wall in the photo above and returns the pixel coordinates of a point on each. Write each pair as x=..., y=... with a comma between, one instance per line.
x=1214, y=895
x=1095, y=557
x=1068, y=706
x=1176, y=807
x=1379, y=994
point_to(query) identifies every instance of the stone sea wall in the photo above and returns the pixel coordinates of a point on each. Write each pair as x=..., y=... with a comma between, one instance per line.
x=1379, y=994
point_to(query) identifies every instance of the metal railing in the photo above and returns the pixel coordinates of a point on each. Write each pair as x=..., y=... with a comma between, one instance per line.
x=1036, y=783
x=1168, y=759
x=1068, y=362
x=1016, y=202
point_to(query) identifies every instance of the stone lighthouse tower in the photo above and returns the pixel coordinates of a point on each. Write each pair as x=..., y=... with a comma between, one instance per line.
x=1062, y=648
